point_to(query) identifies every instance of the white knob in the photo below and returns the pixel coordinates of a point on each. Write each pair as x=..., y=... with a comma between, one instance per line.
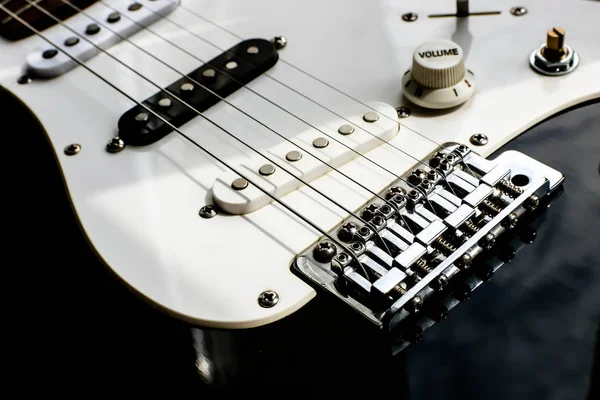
x=438, y=77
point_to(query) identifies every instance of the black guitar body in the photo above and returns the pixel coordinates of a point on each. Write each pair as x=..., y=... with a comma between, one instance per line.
x=531, y=332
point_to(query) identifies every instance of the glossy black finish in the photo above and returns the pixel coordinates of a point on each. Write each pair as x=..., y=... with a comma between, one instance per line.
x=531, y=332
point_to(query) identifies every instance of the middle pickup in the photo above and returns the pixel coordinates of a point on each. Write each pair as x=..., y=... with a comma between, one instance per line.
x=198, y=91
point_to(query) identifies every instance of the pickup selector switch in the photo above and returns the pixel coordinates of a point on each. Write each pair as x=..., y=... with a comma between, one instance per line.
x=438, y=77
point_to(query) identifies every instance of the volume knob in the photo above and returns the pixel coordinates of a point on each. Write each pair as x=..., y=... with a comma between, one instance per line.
x=438, y=77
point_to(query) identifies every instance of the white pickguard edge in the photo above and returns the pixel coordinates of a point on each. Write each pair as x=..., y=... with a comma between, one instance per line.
x=139, y=208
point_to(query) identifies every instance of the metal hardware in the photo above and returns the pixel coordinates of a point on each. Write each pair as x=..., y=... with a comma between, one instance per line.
x=403, y=112
x=208, y=211
x=518, y=11
x=267, y=169
x=386, y=277
x=371, y=116
x=72, y=149
x=209, y=73
x=410, y=17
x=547, y=61
x=293, y=156
x=268, y=299
x=187, y=88
x=280, y=42
x=165, y=103
x=134, y=7
x=142, y=117
x=115, y=145
x=479, y=139
x=320, y=143
x=24, y=80
x=72, y=41
x=239, y=184
x=532, y=203
x=346, y=129
x=252, y=50
x=325, y=251
x=113, y=17
x=510, y=189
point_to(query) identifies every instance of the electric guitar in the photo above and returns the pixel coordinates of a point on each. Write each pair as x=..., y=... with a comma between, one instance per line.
x=235, y=163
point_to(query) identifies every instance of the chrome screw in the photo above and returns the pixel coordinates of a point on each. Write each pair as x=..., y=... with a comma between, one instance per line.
x=479, y=139
x=518, y=11
x=410, y=17
x=208, y=211
x=115, y=145
x=268, y=299
x=403, y=112
x=280, y=42
x=324, y=252
x=72, y=149
x=488, y=241
x=510, y=222
x=532, y=203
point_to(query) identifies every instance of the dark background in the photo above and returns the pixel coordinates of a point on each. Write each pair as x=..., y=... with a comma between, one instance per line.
x=532, y=332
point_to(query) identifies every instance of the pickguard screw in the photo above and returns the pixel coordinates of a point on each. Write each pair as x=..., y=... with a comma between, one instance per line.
x=479, y=139
x=518, y=11
x=208, y=211
x=410, y=17
x=24, y=80
x=72, y=149
x=268, y=299
x=280, y=42
x=403, y=112
x=115, y=145
x=324, y=252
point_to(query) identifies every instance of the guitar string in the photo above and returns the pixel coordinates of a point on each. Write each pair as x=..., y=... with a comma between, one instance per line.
x=145, y=27
x=192, y=12
x=367, y=223
x=390, y=203
x=164, y=16
x=216, y=158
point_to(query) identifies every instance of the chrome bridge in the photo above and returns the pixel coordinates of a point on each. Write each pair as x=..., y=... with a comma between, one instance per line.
x=426, y=231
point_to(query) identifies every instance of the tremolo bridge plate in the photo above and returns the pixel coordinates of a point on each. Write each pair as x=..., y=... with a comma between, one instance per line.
x=433, y=227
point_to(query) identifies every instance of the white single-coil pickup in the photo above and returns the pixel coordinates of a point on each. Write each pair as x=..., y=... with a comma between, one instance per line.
x=94, y=24
x=340, y=149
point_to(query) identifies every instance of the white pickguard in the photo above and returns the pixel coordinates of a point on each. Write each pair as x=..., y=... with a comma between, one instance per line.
x=139, y=208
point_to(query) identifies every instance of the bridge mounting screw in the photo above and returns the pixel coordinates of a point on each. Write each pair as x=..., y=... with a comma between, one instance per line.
x=410, y=17
x=208, y=211
x=72, y=149
x=115, y=145
x=403, y=112
x=518, y=11
x=268, y=299
x=479, y=139
x=324, y=252
x=280, y=42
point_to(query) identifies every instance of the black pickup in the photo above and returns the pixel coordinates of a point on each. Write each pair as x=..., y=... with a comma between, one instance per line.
x=191, y=95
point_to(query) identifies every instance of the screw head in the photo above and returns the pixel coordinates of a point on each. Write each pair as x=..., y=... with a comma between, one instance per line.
x=441, y=282
x=416, y=303
x=239, y=184
x=532, y=203
x=403, y=112
x=280, y=42
x=488, y=241
x=324, y=252
x=518, y=11
x=511, y=221
x=24, y=80
x=410, y=17
x=268, y=299
x=72, y=149
x=115, y=145
x=208, y=211
x=479, y=139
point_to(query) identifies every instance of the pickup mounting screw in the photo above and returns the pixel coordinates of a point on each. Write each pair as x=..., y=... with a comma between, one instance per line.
x=208, y=211
x=268, y=299
x=518, y=11
x=479, y=139
x=324, y=252
x=280, y=42
x=403, y=112
x=115, y=145
x=410, y=17
x=72, y=149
